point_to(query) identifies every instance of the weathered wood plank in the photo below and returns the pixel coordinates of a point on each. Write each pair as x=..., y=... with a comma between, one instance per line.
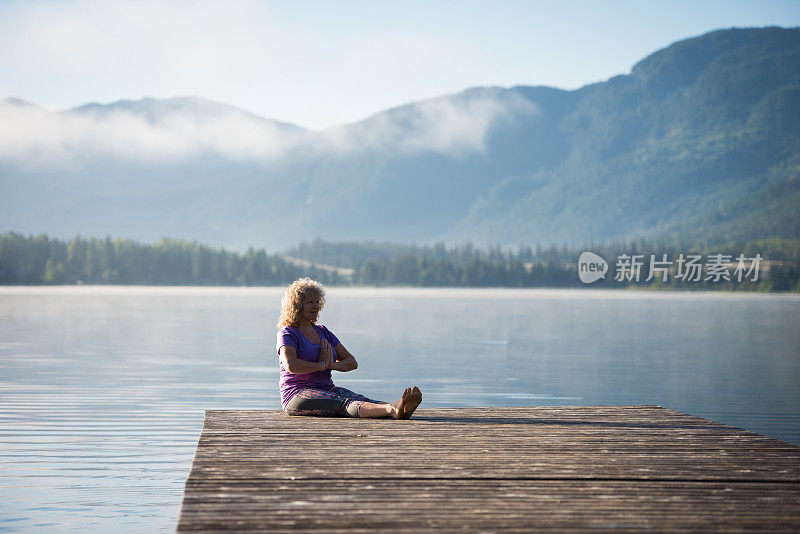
x=495, y=505
x=569, y=468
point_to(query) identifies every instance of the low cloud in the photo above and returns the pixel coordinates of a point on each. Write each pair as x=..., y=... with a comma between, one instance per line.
x=180, y=129
x=33, y=136
x=452, y=126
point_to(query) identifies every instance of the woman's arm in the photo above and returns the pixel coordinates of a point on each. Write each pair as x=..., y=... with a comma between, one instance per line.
x=295, y=365
x=347, y=361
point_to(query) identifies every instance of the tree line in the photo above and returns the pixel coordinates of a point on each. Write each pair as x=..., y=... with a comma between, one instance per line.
x=466, y=265
x=44, y=260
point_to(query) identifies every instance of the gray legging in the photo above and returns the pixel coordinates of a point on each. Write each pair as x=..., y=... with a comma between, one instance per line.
x=327, y=402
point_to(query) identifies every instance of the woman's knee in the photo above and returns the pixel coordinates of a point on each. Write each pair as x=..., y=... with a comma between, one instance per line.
x=352, y=408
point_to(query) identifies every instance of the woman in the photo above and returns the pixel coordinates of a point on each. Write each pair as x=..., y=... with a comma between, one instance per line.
x=308, y=352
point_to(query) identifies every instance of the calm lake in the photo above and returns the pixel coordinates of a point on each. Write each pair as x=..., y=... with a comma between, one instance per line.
x=102, y=389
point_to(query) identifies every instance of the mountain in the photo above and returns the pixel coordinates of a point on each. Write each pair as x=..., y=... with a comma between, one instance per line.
x=699, y=142
x=695, y=130
x=156, y=111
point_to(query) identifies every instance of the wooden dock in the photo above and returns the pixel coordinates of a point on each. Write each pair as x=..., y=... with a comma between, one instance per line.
x=489, y=469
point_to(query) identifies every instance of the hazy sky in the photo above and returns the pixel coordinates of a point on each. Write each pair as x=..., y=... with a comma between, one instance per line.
x=317, y=64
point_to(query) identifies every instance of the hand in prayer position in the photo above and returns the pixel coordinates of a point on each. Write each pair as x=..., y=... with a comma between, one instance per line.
x=326, y=354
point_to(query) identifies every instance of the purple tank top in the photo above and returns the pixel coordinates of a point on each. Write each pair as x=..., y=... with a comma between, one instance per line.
x=290, y=383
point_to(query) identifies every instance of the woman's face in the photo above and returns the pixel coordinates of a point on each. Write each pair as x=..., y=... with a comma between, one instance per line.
x=311, y=307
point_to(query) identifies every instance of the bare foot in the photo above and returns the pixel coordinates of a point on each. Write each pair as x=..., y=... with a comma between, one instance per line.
x=411, y=405
x=398, y=406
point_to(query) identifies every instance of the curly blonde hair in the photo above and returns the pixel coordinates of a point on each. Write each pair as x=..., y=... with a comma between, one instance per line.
x=292, y=301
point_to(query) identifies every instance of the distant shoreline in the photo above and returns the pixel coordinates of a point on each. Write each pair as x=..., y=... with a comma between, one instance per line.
x=74, y=288
x=767, y=265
